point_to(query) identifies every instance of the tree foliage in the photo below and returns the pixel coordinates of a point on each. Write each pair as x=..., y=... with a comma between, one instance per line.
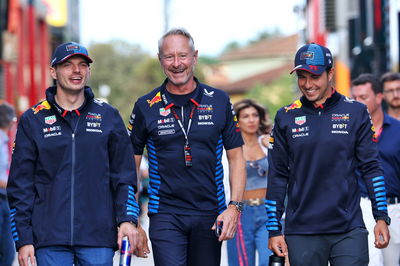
x=275, y=95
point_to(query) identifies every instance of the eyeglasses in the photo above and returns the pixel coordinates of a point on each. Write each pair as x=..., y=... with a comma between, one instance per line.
x=260, y=170
x=397, y=90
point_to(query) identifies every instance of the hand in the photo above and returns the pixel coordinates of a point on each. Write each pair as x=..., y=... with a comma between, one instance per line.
x=382, y=235
x=129, y=230
x=230, y=219
x=265, y=140
x=25, y=254
x=278, y=245
x=143, y=238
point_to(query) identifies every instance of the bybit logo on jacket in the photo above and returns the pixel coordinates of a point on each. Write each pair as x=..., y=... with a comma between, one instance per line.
x=93, y=122
x=340, y=123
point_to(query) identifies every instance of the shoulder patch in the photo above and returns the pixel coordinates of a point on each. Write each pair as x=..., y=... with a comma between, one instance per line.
x=156, y=99
x=295, y=105
x=98, y=101
x=348, y=99
x=208, y=93
x=40, y=106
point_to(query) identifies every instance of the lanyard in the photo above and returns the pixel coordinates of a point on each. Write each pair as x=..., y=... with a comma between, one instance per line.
x=186, y=148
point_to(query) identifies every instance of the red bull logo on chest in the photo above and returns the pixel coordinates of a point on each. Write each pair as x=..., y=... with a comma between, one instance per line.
x=295, y=105
x=155, y=99
x=41, y=106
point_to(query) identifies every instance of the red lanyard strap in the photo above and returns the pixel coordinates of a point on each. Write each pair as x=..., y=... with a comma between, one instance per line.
x=186, y=148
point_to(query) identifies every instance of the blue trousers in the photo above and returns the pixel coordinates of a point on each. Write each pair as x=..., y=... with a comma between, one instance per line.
x=347, y=249
x=184, y=240
x=251, y=237
x=7, y=248
x=78, y=256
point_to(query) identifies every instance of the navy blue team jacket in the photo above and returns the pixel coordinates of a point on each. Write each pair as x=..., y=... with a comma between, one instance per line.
x=173, y=187
x=71, y=183
x=314, y=153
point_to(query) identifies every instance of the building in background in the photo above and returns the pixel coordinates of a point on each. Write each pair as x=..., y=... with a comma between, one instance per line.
x=259, y=63
x=29, y=31
x=363, y=35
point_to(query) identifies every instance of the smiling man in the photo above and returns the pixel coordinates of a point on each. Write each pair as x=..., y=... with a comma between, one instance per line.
x=367, y=89
x=316, y=145
x=184, y=124
x=72, y=178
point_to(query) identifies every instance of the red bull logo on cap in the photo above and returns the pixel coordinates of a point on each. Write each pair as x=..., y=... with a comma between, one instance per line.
x=155, y=99
x=41, y=106
x=295, y=105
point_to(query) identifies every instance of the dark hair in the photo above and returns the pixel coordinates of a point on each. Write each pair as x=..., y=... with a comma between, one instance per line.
x=7, y=114
x=362, y=79
x=265, y=123
x=328, y=69
x=390, y=76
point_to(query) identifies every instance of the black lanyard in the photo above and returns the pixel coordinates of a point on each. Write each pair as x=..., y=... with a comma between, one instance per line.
x=186, y=148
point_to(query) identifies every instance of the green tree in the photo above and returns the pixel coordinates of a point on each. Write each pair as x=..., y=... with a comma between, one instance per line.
x=113, y=64
x=275, y=95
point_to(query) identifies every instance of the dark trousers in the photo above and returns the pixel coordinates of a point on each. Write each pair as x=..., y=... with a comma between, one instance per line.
x=7, y=247
x=347, y=249
x=184, y=240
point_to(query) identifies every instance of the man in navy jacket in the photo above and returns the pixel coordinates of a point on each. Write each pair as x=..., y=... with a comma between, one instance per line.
x=72, y=178
x=316, y=145
x=367, y=89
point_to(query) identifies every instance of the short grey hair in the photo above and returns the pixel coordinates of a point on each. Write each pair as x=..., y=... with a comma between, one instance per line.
x=176, y=31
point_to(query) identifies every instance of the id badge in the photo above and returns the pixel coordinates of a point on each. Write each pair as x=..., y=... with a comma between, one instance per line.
x=188, y=155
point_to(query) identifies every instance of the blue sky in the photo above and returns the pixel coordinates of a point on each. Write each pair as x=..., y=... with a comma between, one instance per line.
x=213, y=23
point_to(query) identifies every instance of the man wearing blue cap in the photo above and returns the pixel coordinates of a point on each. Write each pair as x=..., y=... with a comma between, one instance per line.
x=72, y=178
x=316, y=146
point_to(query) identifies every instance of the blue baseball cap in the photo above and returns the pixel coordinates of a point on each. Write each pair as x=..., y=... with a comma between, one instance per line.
x=313, y=58
x=68, y=49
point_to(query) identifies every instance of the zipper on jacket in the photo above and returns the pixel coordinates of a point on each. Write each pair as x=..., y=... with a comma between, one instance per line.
x=183, y=117
x=72, y=188
x=73, y=180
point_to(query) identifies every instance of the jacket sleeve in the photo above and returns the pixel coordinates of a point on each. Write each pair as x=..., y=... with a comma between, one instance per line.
x=278, y=176
x=123, y=173
x=231, y=135
x=369, y=165
x=137, y=129
x=20, y=187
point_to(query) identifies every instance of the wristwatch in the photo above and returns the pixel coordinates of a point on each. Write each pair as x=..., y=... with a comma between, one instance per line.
x=237, y=204
x=384, y=218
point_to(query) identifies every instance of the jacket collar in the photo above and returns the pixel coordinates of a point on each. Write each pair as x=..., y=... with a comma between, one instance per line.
x=52, y=91
x=197, y=96
x=330, y=101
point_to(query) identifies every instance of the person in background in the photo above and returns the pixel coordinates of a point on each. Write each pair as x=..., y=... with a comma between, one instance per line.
x=72, y=179
x=367, y=89
x=316, y=145
x=7, y=117
x=391, y=93
x=252, y=235
x=184, y=124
